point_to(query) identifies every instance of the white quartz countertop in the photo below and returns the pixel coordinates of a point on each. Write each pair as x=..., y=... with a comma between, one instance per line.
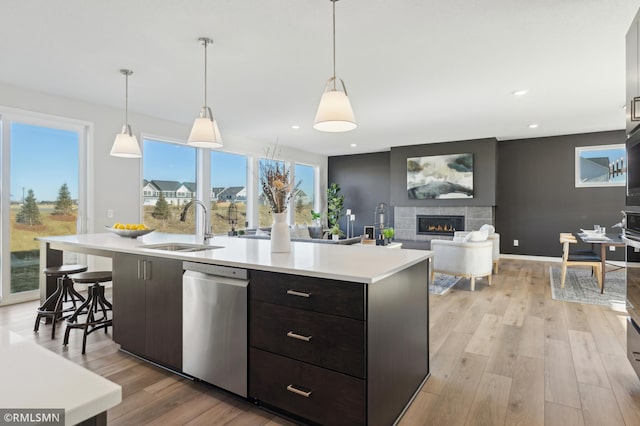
x=34, y=377
x=364, y=264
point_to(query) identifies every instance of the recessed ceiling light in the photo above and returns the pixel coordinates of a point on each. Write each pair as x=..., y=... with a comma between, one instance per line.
x=353, y=145
x=295, y=126
x=533, y=126
x=520, y=92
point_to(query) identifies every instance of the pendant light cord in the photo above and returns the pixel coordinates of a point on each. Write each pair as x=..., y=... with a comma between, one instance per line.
x=126, y=99
x=205, y=42
x=334, y=43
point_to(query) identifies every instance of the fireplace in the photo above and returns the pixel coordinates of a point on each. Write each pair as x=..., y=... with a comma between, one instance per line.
x=438, y=224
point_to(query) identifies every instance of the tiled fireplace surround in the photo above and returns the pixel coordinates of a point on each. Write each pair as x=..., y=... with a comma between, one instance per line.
x=405, y=220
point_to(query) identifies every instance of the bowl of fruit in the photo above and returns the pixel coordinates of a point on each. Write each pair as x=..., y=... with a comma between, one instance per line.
x=129, y=230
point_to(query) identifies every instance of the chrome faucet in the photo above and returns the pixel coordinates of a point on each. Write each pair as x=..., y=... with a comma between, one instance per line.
x=207, y=219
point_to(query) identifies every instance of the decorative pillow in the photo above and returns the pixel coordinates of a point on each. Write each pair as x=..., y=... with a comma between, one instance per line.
x=489, y=228
x=475, y=236
x=260, y=232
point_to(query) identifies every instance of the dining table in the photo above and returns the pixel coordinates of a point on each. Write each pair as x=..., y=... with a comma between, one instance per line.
x=604, y=240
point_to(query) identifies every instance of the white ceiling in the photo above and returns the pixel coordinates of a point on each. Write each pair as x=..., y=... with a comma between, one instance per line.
x=417, y=71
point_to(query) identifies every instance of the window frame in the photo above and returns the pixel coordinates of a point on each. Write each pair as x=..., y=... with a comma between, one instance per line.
x=84, y=130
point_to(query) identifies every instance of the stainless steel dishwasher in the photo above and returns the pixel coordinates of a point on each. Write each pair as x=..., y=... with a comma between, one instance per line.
x=214, y=327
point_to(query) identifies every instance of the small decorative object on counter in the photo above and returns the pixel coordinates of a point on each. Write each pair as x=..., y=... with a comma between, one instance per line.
x=388, y=234
x=277, y=188
x=380, y=220
x=129, y=230
x=280, y=234
x=335, y=232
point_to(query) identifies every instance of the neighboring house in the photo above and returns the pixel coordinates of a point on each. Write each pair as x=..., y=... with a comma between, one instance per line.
x=186, y=193
x=231, y=193
x=180, y=193
x=169, y=189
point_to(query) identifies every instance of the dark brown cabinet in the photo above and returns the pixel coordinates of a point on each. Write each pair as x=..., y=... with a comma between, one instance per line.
x=308, y=343
x=147, y=308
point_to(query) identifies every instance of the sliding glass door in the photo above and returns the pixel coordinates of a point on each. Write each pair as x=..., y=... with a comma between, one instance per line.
x=42, y=194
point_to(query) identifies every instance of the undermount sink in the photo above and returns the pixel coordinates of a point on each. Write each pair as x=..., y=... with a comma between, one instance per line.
x=180, y=247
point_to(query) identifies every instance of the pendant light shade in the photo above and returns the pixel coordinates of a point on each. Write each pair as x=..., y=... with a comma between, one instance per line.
x=126, y=144
x=205, y=132
x=334, y=112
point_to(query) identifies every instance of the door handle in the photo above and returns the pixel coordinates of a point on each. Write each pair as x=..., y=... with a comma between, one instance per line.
x=140, y=270
x=634, y=101
x=636, y=356
x=147, y=270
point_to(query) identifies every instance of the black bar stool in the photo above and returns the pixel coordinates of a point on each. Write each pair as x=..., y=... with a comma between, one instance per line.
x=95, y=300
x=53, y=307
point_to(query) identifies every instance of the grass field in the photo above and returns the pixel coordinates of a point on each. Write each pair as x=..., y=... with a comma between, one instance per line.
x=25, y=250
x=219, y=218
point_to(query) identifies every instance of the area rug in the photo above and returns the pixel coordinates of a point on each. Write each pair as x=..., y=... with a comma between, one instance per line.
x=442, y=283
x=581, y=287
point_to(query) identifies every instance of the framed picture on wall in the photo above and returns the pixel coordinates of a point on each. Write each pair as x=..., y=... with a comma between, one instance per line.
x=600, y=165
x=440, y=176
x=368, y=232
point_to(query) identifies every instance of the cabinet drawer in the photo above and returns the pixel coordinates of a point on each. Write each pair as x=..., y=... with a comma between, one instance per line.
x=328, y=341
x=314, y=294
x=311, y=392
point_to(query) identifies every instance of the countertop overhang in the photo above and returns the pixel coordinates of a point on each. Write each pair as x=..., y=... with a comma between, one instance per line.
x=364, y=264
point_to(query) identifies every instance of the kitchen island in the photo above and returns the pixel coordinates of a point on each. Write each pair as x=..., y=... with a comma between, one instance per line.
x=336, y=334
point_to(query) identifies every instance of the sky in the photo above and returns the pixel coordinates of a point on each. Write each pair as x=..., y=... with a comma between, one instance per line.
x=43, y=159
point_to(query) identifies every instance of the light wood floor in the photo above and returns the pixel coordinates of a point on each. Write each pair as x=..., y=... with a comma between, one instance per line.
x=502, y=355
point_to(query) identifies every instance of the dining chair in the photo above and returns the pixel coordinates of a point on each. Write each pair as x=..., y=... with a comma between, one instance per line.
x=586, y=258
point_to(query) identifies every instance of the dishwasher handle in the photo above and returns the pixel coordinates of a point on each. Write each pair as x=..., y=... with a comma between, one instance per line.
x=217, y=270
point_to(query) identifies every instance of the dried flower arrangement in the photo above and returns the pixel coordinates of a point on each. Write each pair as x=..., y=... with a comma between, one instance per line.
x=276, y=181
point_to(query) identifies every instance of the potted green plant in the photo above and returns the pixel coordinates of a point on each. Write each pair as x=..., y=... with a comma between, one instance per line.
x=335, y=232
x=388, y=234
x=335, y=204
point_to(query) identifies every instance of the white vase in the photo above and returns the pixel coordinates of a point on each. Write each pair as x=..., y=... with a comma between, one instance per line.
x=335, y=237
x=280, y=234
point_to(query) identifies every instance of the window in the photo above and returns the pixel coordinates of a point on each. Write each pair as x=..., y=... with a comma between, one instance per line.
x=304, y=200
x=42, y=195
x=228, y=186
x=169, y=171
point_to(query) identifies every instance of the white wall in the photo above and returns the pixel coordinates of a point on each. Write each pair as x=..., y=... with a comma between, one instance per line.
x=115, y=182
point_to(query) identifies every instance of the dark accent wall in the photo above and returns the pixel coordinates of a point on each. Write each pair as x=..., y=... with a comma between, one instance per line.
x=484, y=172
x=537, y=198
x=530, y=181
x=364, y=182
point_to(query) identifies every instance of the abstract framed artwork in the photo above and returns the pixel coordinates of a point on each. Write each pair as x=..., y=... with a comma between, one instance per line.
x=600, y=165
x=440, y=176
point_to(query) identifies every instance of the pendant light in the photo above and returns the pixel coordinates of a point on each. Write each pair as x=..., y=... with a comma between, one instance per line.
x=334, y=112
x=205, y=132
x=126, y=144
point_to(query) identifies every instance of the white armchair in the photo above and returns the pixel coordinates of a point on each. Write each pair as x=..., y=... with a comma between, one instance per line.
x=470, y=259
x=493, y=236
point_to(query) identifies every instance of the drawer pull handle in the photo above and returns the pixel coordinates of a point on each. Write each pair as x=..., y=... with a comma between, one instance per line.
x=291, y=388
x=636, y=356
x=298, y=336
x=298, y=293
